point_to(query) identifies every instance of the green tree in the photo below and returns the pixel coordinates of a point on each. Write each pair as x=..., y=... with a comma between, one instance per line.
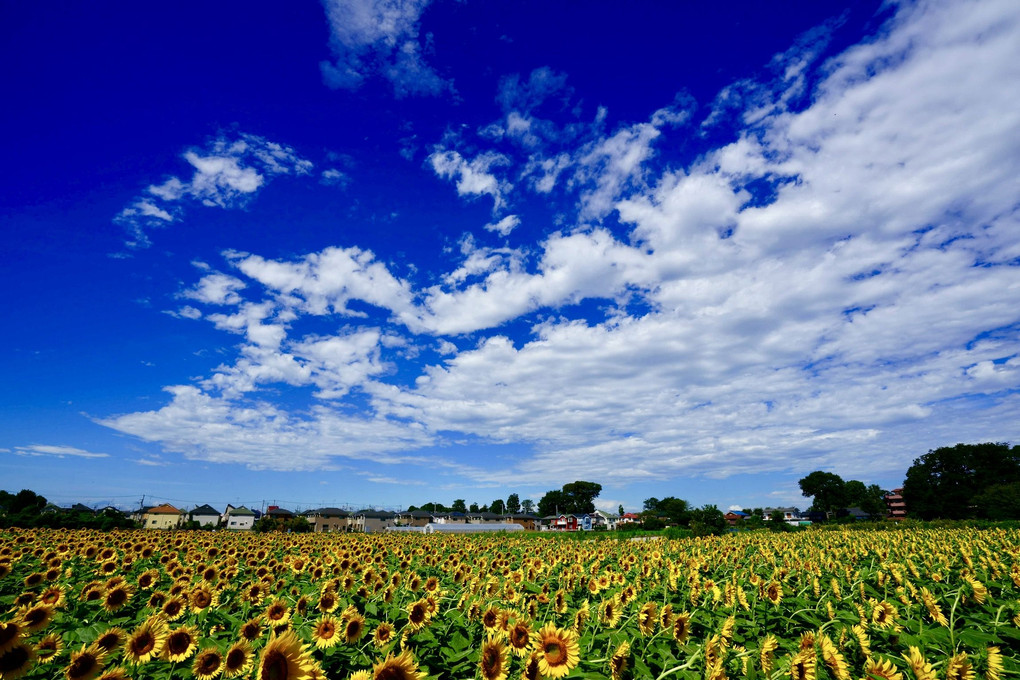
x=474, y=508
x=528, y=505
x=513, y=503
x=945, y=482
x=552, y=503
x=458, y=506
x=870, y=498
x=620, y=511
x=708, y=520
x=497, y=506
x=999, y=502
x=581, y=496
x=827, y=489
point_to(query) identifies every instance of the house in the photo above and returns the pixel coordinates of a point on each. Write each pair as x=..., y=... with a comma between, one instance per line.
x=564, y=523
x=327, y=519
x=896, y=507
x=163, y=516
x=371, y=521
x=629, y=518
x=858, y=514
x=238, y=519
x=602, y=520
x=733, y=517
x=414, y=518
x=485, y=518
x=450, y=518
x=205, y=515
x=791, y=516
x=525, y=520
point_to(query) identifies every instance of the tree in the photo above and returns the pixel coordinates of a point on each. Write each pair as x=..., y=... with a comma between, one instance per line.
x=581, y=496
x=528, y=506
x=870, y=499
x=552, y=503
x=777, y=522
x=473, y=508
x=497, y=506
x=827, y=488
x=651, y=503
x=945, y=482
x=458, y=506
x=998, y=502
x=513, y=503
x=620, y=512
x=708, y=520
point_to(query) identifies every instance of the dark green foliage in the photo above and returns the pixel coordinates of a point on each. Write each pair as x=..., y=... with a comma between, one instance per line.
x=708, y=520
x=513, y=503
x=956, y=482
x=827, y=489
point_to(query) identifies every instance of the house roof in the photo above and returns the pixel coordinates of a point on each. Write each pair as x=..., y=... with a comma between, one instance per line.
x=374, y=514
x=240, y=512
x=205, y=510
x=279, y=512
x=165, y=509
x=327, y=512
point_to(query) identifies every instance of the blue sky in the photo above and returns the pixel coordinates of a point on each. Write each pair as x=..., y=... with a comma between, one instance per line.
x=385, y=253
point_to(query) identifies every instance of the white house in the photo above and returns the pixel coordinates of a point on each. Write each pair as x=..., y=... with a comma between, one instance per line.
x=238, y=519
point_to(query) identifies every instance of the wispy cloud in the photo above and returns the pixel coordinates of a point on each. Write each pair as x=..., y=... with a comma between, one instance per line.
x=228, y=172
x=379, y=36
x=57, y=451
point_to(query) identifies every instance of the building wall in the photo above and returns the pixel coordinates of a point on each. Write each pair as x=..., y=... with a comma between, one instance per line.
x=240, y=522
x=161, y=521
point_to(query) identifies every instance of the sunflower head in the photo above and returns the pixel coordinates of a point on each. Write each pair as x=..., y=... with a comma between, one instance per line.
x=16, y=660
x=383, y=635
x=400, y=667
x=238, y=659
x=285, y=658
x=181, y=643
x=86, y=663
x=493, y=661
x=208, y=664
x=326, y=632
x=558, y=650
x=147, y=641
x=620, y=661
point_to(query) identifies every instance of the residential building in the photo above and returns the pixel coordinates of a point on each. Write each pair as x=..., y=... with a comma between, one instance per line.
x=238, y=519
x=163, y=516
x=526, y=520
x=603, y=520
x=791, y=516
x=413, y=518
x=205, y=515
x=630, y=518
x=328, y=519
x=371, y=521
x=734, y=517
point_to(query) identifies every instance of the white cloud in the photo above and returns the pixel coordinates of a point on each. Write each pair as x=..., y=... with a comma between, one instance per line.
x=473, y=177
x=379, y=35
x=57, y=451
x=504, y=226
x=227, y=174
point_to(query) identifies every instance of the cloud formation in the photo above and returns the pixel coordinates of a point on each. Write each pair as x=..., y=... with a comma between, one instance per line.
x=228, y=173
x=56, y=451
x=841, y=276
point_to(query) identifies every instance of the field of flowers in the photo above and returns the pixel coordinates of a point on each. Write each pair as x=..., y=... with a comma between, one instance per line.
x=919, y=605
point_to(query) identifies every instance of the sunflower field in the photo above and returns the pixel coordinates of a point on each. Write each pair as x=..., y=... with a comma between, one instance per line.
x=908, y=605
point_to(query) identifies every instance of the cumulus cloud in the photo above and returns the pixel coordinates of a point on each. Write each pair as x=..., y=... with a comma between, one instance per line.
x=839, y=278
x=379, y=36
x=228, y=172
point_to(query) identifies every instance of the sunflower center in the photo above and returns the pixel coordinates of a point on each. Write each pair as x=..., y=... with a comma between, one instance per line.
x=391, y=673
x=275, y=666
x=208, y=663
x=116, y=598
x=81, y=667
x=14, y=659
x=178, y=642
x=142, y=643
x=553, y=652
x=353, y=629
x=491, y=666
x=235, y=659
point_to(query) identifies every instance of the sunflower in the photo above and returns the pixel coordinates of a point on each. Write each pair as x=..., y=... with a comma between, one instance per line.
x=417, y=615
x=519, y=637
x=277, y=613
x=238, y=659
x=802, y=667
x=919, y=665
x=112, y=640
x=493, y=660
x=883, y=614
x=114, y=674
x=774, y=592
x=117, y=597
x=360, y=675
x=16, y=660
x=383, y=635
x=401, y=667
x=531, y=669
x=202, y=597
x=581, y=617
x=36, y=617
x=285, y=658
x=252, y=629
x=10, y=634
x=354, y=626
x=86, y=663
x=647, y=618
x=208, y=664
x=147, y=641
x=768, y=647
x=959, y=668
x=48, y=648
x=54, y=596
x=681, y=627
x=174, y=608
x=328, y=602
x=994, y=663
x=181, y=643
x=610, y=612
x=666, y=617
x=833, y=658
x=881, y=669
x=618, y=663
x=325, y=632
x=558, y=649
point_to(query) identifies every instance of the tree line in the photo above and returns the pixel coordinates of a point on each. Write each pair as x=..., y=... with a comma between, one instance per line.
x=28, y=509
